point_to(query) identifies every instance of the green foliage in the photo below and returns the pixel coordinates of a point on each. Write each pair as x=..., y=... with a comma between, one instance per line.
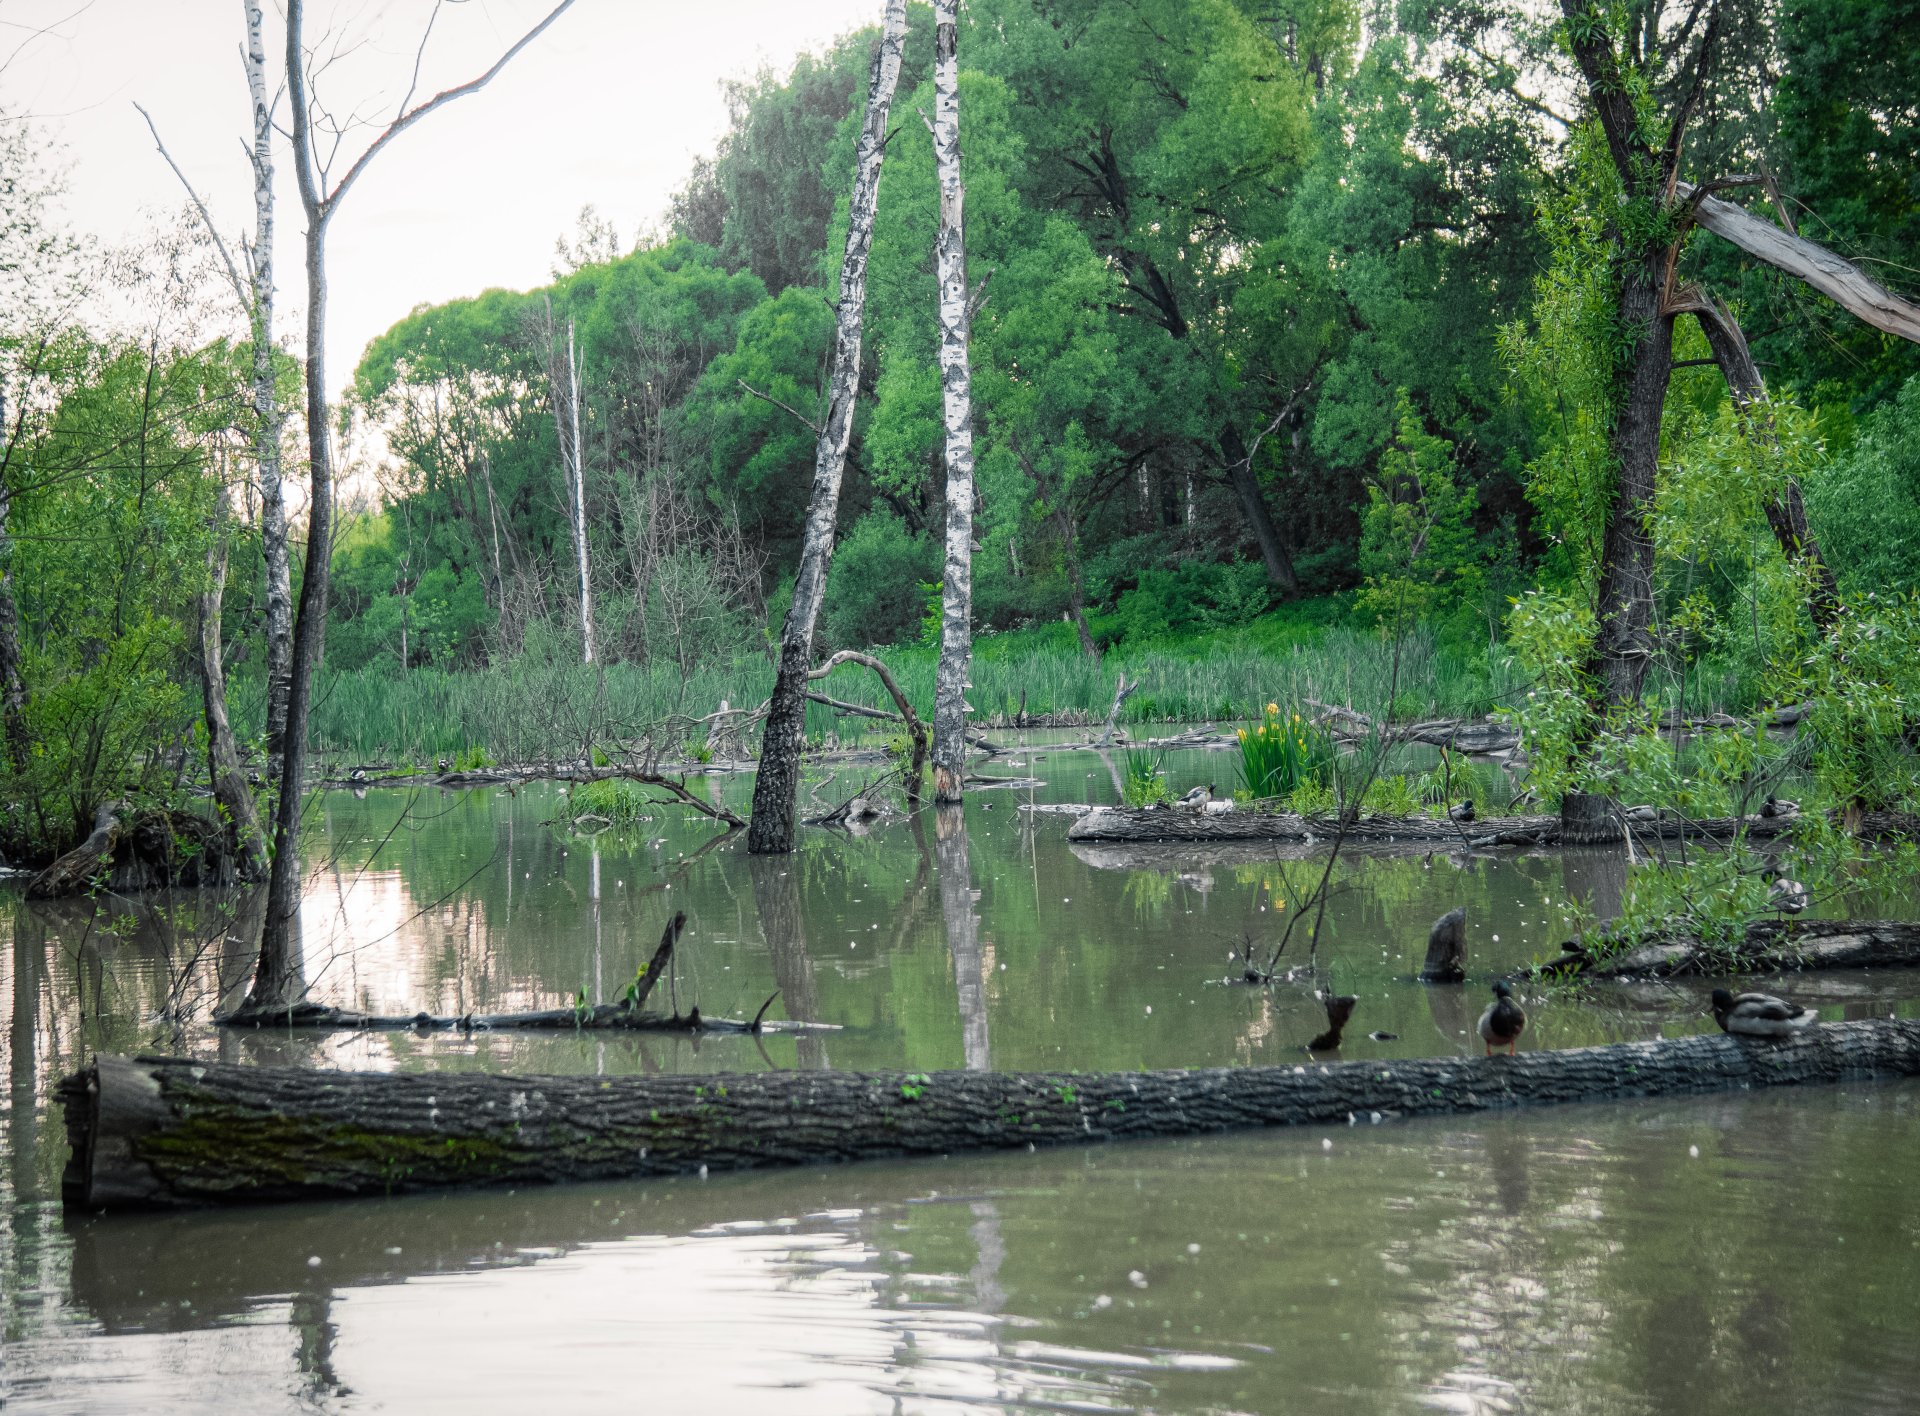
x=1550, y=635
x=1141, y=781
x=1281, y=754
x=614, y=799
x=874, y=593
x=1864, y=504
x=1417, y=547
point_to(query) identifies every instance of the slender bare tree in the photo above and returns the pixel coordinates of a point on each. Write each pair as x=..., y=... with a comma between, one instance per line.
x=266, y=410
x=566, y=424
x=777, y=785
x=276, y=981
x=956, y=396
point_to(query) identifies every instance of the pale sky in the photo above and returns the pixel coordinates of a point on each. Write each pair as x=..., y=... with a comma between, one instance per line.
x=610, y=106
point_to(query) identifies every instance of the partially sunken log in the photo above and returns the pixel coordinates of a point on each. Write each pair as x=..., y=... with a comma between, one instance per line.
x=1165, y=824
x=1770, y=946
x=128, y=852
x=162, y=1131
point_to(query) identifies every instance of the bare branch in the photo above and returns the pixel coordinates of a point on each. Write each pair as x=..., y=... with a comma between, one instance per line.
x=786, y=407
x=240, y=287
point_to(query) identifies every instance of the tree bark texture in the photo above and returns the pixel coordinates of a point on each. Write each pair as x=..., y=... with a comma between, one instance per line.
x=166, y=1131
x=1623, y=641
x=277, y=978
x=1588, y=819
x=266, y=408
x=1839, y=280
x=230, y=789
x=956, y=397
x=1769, y=946
x=776, y=788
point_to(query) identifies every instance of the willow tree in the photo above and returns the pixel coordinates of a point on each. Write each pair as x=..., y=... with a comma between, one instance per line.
x=276, y=980
x=776, y=786
x=956, y=397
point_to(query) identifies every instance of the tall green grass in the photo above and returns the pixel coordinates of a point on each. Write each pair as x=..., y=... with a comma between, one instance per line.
x=531, y=709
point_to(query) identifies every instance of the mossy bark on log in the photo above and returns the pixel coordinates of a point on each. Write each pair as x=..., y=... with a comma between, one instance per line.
x=1770, y=946
x=165, y=1131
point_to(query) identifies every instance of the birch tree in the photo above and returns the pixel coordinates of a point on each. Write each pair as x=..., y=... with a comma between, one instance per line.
x=777, y=784
x=566, y=424
x=956, y=398
x=276, y=980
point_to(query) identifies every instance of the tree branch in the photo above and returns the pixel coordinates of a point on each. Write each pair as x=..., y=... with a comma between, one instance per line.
x=240, y=288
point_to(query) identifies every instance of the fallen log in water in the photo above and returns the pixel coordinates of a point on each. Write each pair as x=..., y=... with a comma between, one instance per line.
x=1114, y=823
x=1770, y=946
x=162, y=1131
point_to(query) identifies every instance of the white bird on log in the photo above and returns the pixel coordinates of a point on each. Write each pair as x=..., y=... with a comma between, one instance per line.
x=1759, y=1014
x=1217, y=808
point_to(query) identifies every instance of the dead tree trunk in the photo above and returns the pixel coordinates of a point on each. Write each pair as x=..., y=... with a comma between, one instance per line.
x=566, y=422
x=1587, y=819
x=956, y=395
x=230, y=789
x=776, y=788
x=916, y=731
x=168, y=1131
x=266, y=408
x=276, y=979
x=1246, y=486
x=1122, y=691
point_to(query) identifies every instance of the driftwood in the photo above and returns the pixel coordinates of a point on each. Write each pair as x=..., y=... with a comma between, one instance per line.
x=165, y=1131
x=131, y=851
x=1770, y=946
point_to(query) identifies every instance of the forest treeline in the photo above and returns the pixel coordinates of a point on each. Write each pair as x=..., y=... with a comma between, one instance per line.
x=1275, y=301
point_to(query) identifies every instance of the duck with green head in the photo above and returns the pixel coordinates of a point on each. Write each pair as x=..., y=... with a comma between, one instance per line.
x=1503, y=1022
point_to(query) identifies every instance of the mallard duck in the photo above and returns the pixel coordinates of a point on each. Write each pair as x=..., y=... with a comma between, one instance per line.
x=1784, y=895
x=357, y=775
x=1642, y=813
x=1759, y=1014
x=1503, y=1022
x=1198, y=797
x=1462, y=812
x=1779, y=806
x=444, y=764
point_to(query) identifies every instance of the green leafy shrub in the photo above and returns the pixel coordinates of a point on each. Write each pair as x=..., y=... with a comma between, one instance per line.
x=1141, y=781
x=621, y=802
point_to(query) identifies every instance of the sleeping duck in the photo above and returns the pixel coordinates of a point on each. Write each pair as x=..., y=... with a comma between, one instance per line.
x=1759, y=1014
x=1503, y=1022
x=1462, y=812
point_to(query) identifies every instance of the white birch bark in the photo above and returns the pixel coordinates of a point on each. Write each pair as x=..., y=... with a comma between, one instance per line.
x=266, y=411
x=578, y=461
x=777, y=784
x=956, y=396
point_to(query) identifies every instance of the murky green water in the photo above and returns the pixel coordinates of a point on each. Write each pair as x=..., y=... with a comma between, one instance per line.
x=1578, y=1260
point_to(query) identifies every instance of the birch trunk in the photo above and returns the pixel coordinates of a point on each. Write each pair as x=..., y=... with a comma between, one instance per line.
x=13, y=685
x=776, y=787
x=229, y=782
x=266, y=411
x=277, y=980
x=577, y=490
x=956, y=396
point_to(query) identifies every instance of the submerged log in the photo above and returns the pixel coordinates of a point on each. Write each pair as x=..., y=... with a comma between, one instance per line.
x=165, y=1131
x=1113, y=823
x=1769, y=946
x=1446, y=960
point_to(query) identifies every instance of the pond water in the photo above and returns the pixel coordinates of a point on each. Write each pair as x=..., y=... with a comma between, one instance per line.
x=1710, y=1255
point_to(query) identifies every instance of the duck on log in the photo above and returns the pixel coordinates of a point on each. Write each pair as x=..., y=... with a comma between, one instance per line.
x=166, y=1131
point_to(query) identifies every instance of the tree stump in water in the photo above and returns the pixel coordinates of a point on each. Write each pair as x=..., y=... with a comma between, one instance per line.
x=1589, y=820
x=1446, y=949
x=147, y=850
x=165, y=1131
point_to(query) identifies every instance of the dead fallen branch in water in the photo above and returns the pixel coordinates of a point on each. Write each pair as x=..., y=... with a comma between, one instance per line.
x=168, y=1131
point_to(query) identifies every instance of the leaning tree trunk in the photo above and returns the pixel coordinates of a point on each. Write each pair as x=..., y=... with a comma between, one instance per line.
x=956, y=395
x=266, y=408
x=776, y=787
x=1246, y=486
x=176, y=1131
x=1786, y=510
x=230, y=788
